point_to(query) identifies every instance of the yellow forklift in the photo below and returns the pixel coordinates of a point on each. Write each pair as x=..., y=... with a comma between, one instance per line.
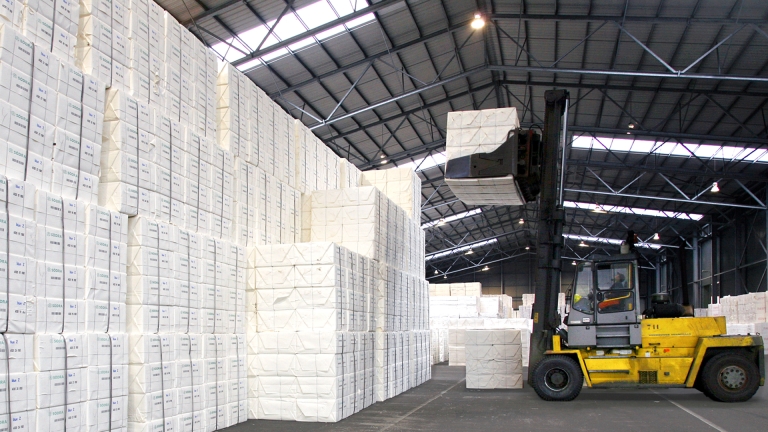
x=609, y=342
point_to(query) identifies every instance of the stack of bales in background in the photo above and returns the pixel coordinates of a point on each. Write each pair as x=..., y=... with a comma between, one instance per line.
x=744, y=314
x=456, y=307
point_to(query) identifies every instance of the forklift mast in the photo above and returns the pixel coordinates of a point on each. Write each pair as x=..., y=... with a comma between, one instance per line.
x=549, y=239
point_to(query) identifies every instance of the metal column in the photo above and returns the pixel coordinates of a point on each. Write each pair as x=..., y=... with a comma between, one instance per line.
x=696, y=273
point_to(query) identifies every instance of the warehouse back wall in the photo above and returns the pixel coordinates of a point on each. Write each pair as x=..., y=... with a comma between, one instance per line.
x=513, y=278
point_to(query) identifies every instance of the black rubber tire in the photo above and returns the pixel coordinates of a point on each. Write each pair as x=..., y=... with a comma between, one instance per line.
x=742, y=372
x=557, y=378
x=699, y=385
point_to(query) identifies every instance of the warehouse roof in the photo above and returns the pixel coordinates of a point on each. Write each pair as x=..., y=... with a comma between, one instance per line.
x=667, y=98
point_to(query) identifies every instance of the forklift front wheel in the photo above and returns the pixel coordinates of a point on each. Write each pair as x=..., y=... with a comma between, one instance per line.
x=730, y=377
x=557, y=378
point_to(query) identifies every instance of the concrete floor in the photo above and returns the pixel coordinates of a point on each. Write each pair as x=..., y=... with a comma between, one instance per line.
x=444, y=404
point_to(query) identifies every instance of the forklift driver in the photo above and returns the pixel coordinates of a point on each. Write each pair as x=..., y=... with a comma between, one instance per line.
x=619, y=282
x=616, y=302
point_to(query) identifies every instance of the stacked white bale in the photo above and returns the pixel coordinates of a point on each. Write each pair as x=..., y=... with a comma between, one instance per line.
x=187, y=280
x=439, y=344
x=350, y=176
x=232, y=111
x=51, y=25
x=456, y=289
x=491, y=307
x=401, y=185
x=260, y=135
x=186, y=328
x=364, y=220
x=317, y=167
x=102, y=47
x=744, y=314
x=456, y=349
x=494, y=359
x=311, y=303
x=64, y=257
x=526, y=309
x=51, y=132
x=454, y=307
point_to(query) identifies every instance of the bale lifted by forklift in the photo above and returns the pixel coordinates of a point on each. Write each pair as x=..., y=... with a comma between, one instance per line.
x=609, y=342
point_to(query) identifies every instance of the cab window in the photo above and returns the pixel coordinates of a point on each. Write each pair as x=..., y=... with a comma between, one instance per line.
x=614, y=276
x=615, y=282
x=583, y=297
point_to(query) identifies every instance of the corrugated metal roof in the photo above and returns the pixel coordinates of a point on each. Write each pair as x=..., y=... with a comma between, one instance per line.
x=412, y=41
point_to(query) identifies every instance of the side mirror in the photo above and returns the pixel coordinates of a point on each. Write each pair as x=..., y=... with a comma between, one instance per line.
x=600, y=296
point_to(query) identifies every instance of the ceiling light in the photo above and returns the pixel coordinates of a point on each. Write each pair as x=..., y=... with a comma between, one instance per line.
x=445, y=277
x=469, y=252
x=598, y=209
x=631, y=126
x=478, y=22
x=521, y=221
x=527, y=248
x=436, y=271
x=384, y=161
x=715, y=188
x=441, y=222
x=656, y=236
x=486, y=268
x=382, y=156
x=582, y=244
x=573, y=263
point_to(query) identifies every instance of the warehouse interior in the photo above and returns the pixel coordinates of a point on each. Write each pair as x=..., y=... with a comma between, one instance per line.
x=237, y=214
x=390, y=78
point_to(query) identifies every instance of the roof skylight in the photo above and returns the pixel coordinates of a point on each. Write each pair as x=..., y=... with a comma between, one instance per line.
x=670, y=148
x=610, y=241
x=452, y=218
x=634, y=210
x=292, y=24
x=460, y=249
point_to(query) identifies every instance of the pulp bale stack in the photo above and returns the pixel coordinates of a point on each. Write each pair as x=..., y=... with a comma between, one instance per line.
x=401, y=185
x=494, y=359
x=744, y=314
x=456, y=289
x=364, y=220
x=62, y=303
x=186, y=327
x=454, y=307
x=456, y=342
x=313, y=315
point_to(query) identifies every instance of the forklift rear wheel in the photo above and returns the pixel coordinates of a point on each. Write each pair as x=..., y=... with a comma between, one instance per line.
x=557, y=378
x=730, y=377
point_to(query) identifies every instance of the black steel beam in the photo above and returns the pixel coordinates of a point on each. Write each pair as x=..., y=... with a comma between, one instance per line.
x=629, y=18
x=633, y=88
x=761, y=142
x=667, y=170
x=408, y=112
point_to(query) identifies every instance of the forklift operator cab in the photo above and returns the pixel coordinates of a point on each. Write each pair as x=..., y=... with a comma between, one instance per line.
x=604, y=304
